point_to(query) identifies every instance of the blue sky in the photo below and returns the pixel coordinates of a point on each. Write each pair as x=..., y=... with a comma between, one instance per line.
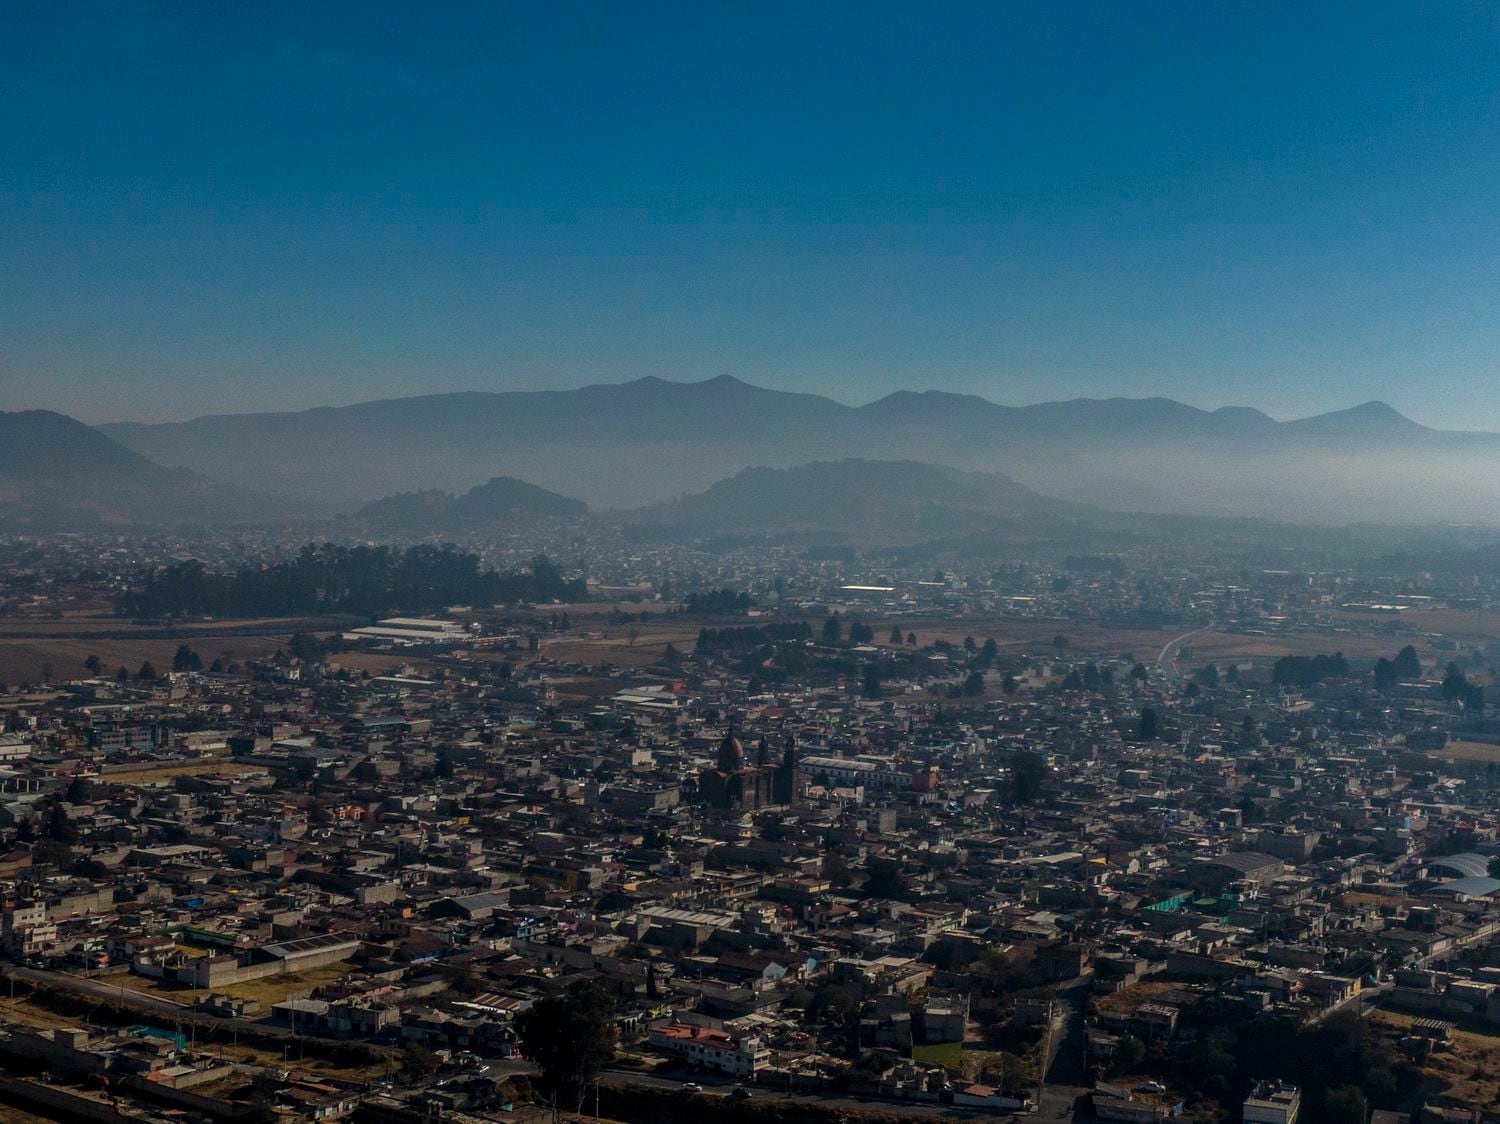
x=245, y=206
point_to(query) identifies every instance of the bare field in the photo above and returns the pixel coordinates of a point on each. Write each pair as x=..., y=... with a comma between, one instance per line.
x=1457, y=624
x=28, y=660
x=147, y=774
x=273, y=989
x=1468, y=751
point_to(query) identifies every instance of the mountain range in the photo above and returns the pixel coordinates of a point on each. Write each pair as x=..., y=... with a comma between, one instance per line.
x=638, y=443
x=415, y=463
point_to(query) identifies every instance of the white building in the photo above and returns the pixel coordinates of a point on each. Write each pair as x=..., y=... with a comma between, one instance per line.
x=411, y=631
x=711, y=1049
x=1272, y=1102
x=856, y=772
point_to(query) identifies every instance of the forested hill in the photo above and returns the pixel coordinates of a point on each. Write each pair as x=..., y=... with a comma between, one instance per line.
x=359, y=580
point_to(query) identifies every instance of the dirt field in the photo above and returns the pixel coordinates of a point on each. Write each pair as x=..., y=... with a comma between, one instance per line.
x=267, y=991
x=1467, y=751
x=148, y=773
x=273, y=989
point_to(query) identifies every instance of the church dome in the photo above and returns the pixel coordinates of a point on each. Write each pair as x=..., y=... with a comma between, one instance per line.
x=731, y=753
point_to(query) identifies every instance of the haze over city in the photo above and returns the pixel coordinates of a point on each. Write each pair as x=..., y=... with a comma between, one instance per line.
x=782, y=564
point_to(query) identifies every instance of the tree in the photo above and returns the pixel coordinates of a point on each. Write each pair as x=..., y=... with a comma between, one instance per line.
x=58, y=827
x=146, y=672
x=1027, y=769
x=80, y=791
x=122, y=674
x=1010, y=684
x=1149, y=728
x=1129, y=1055
x=974, y=684
x=911, y=639
x=969, y=644
x=670, y=655
x=1408, y=666
x=1473, y=698
x=1386, y=675
x=305, y=647
x=871, y=681
x=1139, y=672
x=989, y=651
x=1308, y=671
x=895, y=637
x=418, y=1059
x=1455, y=683
x=1344, y=1105
x=833, y=631
x=861, y=633
x=187, y=660
x=569, y=1038
x=94, y=665
x=1207, y=676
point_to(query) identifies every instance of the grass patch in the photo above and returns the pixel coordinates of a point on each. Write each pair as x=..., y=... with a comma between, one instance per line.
x=949, y=1054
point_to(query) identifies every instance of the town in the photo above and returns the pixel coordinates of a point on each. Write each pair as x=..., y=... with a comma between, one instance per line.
x=1133, y=837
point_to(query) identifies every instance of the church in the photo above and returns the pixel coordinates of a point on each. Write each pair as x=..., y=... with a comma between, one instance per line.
x=732, y=784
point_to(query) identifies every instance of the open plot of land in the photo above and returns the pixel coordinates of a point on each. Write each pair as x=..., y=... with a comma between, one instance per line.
x=949, y=1054
x=32, y=659
x=147, y=773
x=1465, y=1070
x=1127, y=999
x=1468, y=751
x=273, y=989
x=24, y=1012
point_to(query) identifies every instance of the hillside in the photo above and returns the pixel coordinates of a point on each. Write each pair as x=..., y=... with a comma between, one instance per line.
x=58, y=474
x=889, y=502
x=502, y=498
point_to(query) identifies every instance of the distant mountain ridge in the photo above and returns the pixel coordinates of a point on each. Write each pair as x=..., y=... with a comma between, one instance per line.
x=632, y=444
x=894, y=502
x=57, y=473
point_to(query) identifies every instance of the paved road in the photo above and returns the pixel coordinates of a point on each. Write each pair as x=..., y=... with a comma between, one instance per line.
x=719, y=1088
x=1167, y=658
x=1062, y=1084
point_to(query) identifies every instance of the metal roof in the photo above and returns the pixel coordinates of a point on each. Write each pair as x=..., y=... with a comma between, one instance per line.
x=1467, y=865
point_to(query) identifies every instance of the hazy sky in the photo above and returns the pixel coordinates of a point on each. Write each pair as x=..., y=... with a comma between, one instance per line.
x=233, y=206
